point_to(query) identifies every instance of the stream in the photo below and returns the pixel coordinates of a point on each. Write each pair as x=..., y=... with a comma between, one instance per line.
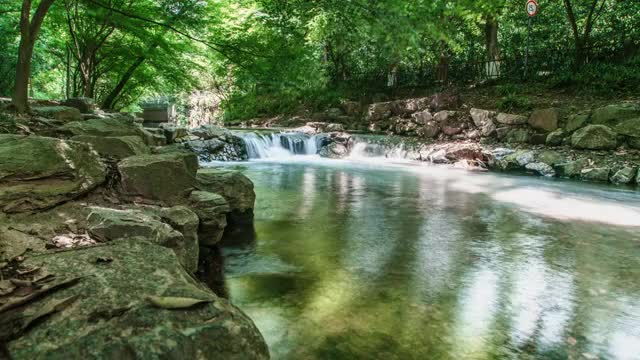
x=376, y=257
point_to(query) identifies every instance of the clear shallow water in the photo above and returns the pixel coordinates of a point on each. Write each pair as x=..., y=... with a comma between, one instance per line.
x=370, y=260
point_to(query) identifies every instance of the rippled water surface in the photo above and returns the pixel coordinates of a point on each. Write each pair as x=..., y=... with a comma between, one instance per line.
x=373, y=261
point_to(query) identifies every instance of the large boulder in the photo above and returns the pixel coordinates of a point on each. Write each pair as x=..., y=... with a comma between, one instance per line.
x=104, y=127
x=212, y=211
x=111, y=224
x=84, y=104
x=132, y=301
x=237, y=189
x=161, y=178
x=545, y=119
x=612, y=115
x=118, y=147
x=61, y=113
x=39, y=172
x=594, y=137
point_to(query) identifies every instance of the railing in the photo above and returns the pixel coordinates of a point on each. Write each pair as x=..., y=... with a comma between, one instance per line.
x=513, y=67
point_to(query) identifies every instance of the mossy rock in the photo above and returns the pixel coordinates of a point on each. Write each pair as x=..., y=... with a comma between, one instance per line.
x=112, y=317
x=576, y=121
x=594, y=137
x=234, y=186
x=550, y=157
x=518, y=136
x=545, y=119
x=40, y=172
x=62, y=113
x=212, y=211
x=237, y=189
x=612, y=115
x=106, y=224
x=118, y=147
x=161, y=178
x=113, y=127
x=629, y=127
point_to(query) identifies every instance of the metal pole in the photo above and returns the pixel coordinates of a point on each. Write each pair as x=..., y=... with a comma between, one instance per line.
x=526, y=56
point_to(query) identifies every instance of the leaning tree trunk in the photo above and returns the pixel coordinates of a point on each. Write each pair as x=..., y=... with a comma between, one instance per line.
x=29, y=29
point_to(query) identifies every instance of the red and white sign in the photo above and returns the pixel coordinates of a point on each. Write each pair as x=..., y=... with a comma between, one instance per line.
x=532, y=8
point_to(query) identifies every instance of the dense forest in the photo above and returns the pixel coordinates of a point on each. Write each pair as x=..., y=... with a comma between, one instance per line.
x=265, y=57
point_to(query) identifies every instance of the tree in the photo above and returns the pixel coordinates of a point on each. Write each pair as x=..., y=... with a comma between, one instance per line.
x=582, y=36
x=29, y=29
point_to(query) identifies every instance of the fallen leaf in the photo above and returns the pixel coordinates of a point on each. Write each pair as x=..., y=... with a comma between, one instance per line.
x=167, y=302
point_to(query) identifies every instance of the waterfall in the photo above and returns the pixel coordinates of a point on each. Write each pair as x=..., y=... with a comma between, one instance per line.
x=279, y=145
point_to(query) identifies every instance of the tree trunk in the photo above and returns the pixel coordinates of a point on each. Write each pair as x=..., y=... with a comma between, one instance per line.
x=491, y=38
x=28, y=33
x=492, y=48
x=110, y=100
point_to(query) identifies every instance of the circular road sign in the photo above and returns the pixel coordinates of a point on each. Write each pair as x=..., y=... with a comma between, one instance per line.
x=532, y=8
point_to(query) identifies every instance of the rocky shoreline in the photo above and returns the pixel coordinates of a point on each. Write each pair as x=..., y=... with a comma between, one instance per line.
x=107, y=231
x=600, y=145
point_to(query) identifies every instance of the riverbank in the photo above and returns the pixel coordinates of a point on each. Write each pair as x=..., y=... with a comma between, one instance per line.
x=108, y=237
x=592, y=144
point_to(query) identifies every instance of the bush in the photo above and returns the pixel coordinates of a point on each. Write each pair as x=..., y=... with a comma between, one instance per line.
x=597, y=78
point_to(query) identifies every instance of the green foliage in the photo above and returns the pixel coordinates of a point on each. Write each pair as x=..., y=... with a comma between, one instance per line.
x=513, y=101
x=602, y=78
x=268, y=57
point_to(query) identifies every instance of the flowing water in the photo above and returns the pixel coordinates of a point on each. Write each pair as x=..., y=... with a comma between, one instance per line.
x=369, y=258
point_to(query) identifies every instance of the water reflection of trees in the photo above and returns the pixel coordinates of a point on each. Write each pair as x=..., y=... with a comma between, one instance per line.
x=414, y=264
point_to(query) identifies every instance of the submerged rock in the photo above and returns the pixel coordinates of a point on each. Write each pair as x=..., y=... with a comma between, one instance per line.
x=165, y=178
x=594, y=137
x=39, y=172
x=112, y=317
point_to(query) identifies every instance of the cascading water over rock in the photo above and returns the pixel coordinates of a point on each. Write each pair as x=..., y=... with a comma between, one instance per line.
x=279, y=145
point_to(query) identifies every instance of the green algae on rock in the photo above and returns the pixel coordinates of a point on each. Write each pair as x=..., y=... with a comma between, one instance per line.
x=112, y=318
x=40, y=172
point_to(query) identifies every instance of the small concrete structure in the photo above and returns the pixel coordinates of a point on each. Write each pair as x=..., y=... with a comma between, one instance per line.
x=158, y=113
